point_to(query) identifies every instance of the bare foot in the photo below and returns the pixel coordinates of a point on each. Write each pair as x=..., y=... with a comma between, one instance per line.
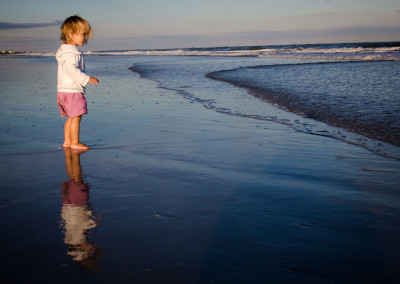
x=77, y=151
x=79, y=146
x=67, y=143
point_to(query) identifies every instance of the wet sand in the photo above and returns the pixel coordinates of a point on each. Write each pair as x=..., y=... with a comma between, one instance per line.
x=172, y=192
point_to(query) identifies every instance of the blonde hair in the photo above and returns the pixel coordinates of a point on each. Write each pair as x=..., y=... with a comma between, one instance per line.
x=73, y=25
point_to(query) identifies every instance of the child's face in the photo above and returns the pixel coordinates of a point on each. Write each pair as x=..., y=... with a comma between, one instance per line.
x=79, y=38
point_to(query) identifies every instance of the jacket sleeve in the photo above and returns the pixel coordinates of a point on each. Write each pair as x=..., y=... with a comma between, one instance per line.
x=74, y=72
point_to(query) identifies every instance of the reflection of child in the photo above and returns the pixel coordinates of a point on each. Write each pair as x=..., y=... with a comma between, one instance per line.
x=76, y=214
x=77, y=221
x=71, y=78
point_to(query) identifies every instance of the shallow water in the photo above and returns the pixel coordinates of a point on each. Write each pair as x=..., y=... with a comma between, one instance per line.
x=343, y=96
x=362, y=97
x=176, y=192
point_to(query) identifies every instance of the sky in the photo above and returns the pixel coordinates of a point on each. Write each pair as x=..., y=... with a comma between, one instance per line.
x=157, y=24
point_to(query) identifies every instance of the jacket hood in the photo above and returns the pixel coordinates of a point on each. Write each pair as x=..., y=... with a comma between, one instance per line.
x=65, y=51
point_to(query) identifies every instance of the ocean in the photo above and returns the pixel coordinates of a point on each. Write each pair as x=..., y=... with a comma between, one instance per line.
x=336, y=51
x=350, y=87
x=257, y=164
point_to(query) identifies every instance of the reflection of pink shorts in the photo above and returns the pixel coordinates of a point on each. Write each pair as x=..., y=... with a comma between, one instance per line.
x=71, y=104
x=75, y=193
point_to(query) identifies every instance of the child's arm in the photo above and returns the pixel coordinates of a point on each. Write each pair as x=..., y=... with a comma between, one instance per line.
x=94, y=81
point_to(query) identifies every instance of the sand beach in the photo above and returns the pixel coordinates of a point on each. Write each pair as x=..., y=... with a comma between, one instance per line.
x=177, y=189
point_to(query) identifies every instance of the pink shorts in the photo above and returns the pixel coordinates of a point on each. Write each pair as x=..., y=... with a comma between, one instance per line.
x=71, y=104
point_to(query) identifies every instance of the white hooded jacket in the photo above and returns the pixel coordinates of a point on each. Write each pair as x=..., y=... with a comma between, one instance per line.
x=71, y=77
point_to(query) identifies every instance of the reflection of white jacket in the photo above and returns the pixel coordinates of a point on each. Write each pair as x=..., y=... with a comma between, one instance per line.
x=71, y=77
x=77, y=221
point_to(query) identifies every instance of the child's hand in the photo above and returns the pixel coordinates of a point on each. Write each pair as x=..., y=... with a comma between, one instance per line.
x=94, y=81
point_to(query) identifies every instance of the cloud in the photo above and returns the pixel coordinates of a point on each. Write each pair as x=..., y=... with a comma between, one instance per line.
x=9, y=26
x=49, y=42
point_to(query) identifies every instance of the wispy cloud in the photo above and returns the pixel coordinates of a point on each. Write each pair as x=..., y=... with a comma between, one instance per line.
x=9, y=25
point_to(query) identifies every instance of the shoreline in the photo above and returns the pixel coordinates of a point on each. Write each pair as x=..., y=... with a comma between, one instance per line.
x=374, y=142
x=353, y=140
x=371, y=143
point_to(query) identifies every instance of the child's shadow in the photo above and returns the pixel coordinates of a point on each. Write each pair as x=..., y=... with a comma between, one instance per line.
x=77, y=218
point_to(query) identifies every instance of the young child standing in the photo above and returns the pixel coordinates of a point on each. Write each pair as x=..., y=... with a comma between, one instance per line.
x=71, y=78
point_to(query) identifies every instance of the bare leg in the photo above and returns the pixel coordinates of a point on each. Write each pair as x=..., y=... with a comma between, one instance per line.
x=67, y=133
x=74, y=128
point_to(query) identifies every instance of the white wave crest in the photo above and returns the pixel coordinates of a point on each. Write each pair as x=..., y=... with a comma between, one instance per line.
x=337, y=52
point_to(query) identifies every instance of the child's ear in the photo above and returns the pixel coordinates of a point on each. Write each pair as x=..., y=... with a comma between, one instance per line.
x=71, y=34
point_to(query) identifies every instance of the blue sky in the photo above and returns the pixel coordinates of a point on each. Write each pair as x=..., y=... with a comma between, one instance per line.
x=123, y=24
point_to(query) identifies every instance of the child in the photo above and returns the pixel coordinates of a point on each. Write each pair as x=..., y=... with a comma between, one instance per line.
x=71, y=78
